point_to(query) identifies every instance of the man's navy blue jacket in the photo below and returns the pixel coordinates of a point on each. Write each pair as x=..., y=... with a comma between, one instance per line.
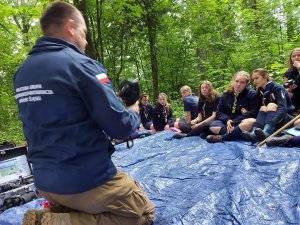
x=69, y=110
x=247, y=99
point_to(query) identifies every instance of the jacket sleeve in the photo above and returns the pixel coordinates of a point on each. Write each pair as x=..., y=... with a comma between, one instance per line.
x=253, y=107
x=142, y=114
x=221, y=109
x=102, y=103
x=151, y=112
x=216, y=104
x=280, y=97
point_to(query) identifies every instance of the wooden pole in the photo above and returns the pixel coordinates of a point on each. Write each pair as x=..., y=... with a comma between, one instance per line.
x=279, y=130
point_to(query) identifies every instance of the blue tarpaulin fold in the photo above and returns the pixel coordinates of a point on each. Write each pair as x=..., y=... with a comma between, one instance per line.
x=192, y=182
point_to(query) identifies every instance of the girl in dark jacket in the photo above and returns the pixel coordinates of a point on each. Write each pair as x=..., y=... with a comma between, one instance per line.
x=207, y=107
x=275, y=107
x=162, y=115
x=146, y=112
x=292, y=78
x=236, y=110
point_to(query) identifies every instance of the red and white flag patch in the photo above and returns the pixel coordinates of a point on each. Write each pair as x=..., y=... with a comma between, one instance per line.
x=102, y=78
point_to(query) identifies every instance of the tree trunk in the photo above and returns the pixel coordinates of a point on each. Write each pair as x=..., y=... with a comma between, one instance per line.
x=151, y=26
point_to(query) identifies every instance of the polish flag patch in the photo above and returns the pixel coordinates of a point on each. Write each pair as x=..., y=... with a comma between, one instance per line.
x=102, y=78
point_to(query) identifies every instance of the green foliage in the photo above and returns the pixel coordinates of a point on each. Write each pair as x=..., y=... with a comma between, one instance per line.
x=177, y=108
x=18, y=31
x=13, y=132
x=193, y=40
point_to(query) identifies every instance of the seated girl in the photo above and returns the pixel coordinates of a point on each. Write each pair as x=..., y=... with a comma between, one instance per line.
x=190, y=106
x=275, y=107
x=292, y=78
x=236, y=110
x=162, y=115
x=207, y=106
x=146, y=112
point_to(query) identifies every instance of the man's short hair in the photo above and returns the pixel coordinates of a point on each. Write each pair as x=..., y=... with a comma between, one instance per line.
x=55, y=15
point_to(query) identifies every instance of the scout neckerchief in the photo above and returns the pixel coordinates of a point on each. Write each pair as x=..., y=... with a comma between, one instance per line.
x=234, y=102
x=166, y=112
x=146, y=112
x=266, y=93
x=203, y=108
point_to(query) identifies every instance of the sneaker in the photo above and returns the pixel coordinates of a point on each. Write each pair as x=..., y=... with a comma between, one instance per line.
x=250, y=137
x=179, y=135
x=260, y=134
x=214, y=138
x=280, y=141
x=203, y=135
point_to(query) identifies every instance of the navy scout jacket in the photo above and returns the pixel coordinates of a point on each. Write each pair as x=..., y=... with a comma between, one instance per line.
x=146, y=113
x=69, y=110
x=275, y=93
x=247, y=99
x=162, y=115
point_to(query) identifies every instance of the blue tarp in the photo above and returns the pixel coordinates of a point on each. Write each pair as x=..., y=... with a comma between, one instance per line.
x=192, y=182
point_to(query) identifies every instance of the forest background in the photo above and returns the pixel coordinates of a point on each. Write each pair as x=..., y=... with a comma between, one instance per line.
x=163, y=43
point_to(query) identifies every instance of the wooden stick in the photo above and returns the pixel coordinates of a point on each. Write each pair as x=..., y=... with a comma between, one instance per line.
x=279, y=130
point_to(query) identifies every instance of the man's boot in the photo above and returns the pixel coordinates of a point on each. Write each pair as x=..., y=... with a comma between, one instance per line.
x=280, y=141
x=34, y=217
x=56, y=219
x=266, y=132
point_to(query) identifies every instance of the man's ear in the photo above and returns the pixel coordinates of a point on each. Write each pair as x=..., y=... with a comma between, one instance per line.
x=70, y=28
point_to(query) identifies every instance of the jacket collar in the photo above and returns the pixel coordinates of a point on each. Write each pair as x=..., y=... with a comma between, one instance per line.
x=50, y=43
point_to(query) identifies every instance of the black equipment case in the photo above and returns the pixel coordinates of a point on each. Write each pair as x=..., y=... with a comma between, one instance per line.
x=16, y=181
